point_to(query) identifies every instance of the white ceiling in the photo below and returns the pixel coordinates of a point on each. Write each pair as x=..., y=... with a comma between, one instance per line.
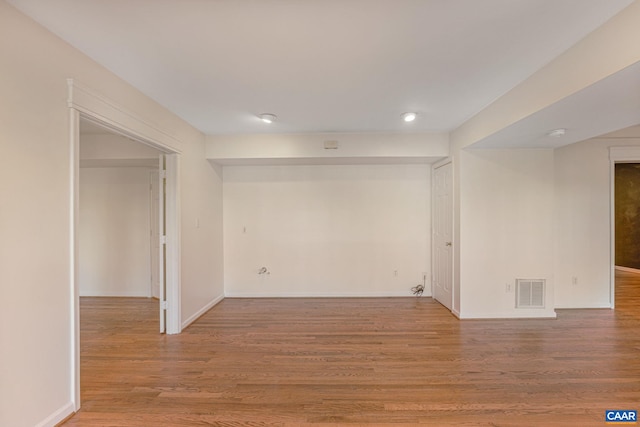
x=322, y=65
x=611, y=104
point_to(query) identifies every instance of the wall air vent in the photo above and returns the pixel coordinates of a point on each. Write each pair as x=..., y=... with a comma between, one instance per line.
x=530, y=293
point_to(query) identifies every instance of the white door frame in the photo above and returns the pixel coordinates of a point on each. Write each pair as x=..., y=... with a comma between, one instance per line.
x=87, y=104
x=628, y=154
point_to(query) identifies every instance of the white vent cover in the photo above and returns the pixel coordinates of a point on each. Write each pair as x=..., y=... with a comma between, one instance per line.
x=331, y=145
x=530, y=293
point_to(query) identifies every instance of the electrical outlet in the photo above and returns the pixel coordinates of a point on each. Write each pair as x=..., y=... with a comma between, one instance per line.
x=574, y=280
x=508, y=287
x=395, y=273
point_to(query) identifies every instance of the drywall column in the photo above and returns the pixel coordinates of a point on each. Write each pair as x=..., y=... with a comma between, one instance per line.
x=506, y=229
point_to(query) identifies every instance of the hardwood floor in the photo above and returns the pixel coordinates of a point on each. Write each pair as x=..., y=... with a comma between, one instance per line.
x=332, y=362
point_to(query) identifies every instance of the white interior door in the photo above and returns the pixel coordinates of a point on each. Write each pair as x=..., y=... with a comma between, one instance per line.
x=443, y=235
x=161, y=241
x=154, y=197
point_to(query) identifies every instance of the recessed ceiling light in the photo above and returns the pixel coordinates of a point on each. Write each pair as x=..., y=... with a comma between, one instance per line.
x=409, y=117
x=556, y=133
x=268, y=117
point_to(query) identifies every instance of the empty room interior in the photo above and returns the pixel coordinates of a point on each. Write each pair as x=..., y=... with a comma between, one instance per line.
x=295, y=213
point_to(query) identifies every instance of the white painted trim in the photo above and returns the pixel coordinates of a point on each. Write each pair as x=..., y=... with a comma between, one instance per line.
x=172, y=261
x=59, y=415
x=627, y=269
x=162, y=259
x=442, y=162
x=117, y=118
x=580, y=307
x=627, y=154
x=612, y=228
x=74, y=272
x=526, y=314
x=404, y=294
x=152, y=219
x=202, y=311
x=624, y=154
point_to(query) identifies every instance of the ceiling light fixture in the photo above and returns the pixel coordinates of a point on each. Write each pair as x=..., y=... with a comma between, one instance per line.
x=268, y=117
x=556, y=133
x=409, y=117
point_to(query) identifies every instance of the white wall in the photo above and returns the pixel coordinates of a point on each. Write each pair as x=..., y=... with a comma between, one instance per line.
x=353, y=148
x=201, y=234
x=35, y=219
x=583, y=223
x=115, y=246
x=506, y=229
x=110, y=149
x=326, y=230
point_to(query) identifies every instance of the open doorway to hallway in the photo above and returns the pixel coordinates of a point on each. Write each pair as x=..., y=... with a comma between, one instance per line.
x=627, y=235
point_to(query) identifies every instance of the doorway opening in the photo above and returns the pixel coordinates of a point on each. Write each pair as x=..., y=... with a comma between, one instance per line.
x=620, y=157
x=626, y=224
x=87, y=106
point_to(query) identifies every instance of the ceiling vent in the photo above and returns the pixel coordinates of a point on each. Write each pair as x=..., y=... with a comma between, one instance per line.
x=530, y=293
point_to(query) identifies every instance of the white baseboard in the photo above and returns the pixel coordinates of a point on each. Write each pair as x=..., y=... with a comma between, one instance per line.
x=125, y=294
x=628, y=269
x=202, y=311
x=57, y=416
x=527, y=314
x=318, y=295
x=583, y=307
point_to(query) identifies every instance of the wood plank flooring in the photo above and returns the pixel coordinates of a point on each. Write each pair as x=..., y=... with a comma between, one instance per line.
x=356, y=362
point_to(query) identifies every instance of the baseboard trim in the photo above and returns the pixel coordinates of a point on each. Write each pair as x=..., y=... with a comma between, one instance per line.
x=320, y=295
x=115, y=294
x=58, y=416
x=202, y=311
x=582, y=307
x=499, y=316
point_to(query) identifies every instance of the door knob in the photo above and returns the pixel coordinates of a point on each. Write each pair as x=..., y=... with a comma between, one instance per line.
x=447, y=243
